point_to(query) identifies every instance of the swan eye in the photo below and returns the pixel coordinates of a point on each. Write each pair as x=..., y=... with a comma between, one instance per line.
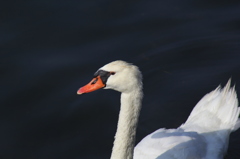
x=112, y=73
x=103, y=75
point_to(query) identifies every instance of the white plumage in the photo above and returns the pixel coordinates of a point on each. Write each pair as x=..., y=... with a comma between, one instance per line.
x=204, y=135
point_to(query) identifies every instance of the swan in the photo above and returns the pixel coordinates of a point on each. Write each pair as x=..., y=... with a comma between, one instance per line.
x=204, y=135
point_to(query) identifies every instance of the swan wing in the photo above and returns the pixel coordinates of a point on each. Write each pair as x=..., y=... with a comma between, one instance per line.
x=171, y=144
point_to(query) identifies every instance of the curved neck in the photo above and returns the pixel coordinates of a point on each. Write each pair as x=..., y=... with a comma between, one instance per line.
x=127, y=123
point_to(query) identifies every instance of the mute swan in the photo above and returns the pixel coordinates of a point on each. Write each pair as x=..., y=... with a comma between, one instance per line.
x=204, y=135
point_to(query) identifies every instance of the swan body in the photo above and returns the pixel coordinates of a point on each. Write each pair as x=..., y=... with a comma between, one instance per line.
x=204, y=135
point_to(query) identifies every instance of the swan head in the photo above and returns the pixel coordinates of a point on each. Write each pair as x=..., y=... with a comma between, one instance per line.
x=117, y=75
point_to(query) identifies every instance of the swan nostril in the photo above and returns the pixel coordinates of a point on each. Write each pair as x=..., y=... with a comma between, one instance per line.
x=93, y=82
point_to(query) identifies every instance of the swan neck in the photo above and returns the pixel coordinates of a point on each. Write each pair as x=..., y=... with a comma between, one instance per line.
x=127, y=123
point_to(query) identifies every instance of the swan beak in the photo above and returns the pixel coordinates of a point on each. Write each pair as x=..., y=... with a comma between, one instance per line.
x=95, y=84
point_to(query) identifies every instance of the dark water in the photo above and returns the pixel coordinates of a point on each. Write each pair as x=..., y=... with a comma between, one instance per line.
x=50, y=48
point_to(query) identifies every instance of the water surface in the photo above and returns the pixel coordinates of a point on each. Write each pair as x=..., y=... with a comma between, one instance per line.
x=50, y=48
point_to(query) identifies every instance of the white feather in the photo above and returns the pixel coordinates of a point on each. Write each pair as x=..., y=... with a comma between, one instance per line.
x=204, y=135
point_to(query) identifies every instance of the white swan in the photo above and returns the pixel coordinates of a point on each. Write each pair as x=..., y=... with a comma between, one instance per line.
x=204, y=135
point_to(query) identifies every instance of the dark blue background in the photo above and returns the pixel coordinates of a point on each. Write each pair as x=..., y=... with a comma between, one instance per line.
x=50, y=48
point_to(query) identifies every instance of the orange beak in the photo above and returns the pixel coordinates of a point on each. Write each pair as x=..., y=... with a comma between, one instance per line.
x=95, y=84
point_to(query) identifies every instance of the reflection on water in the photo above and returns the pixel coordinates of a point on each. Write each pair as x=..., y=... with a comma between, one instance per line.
x=49, y=49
